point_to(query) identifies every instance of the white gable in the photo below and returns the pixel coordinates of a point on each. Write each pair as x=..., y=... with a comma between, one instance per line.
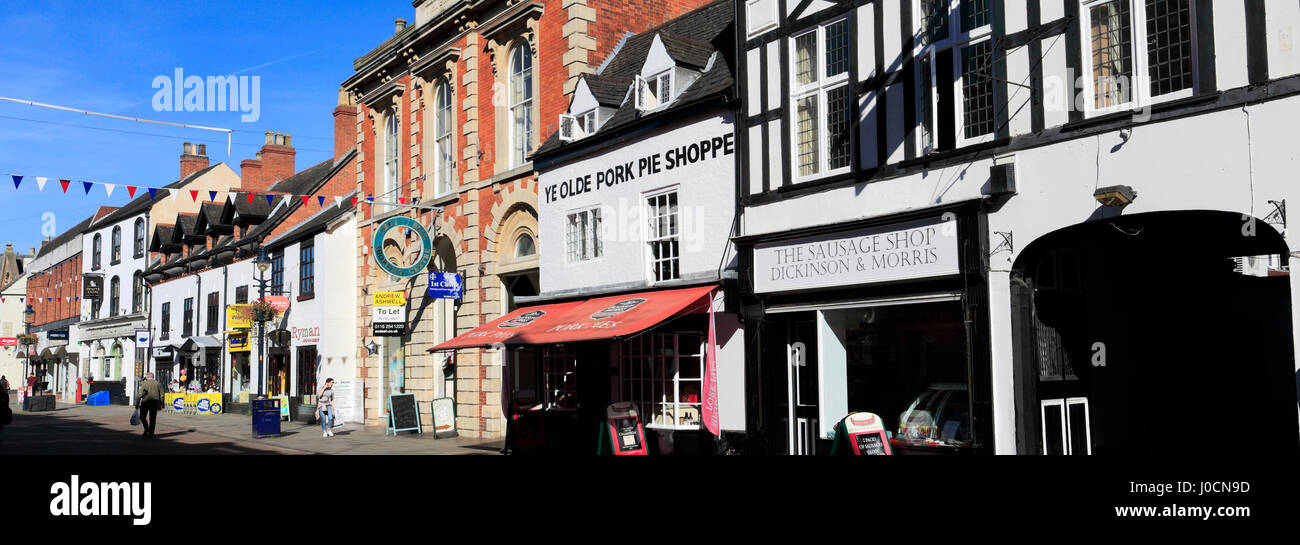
x=583, y=100
x=658, y=59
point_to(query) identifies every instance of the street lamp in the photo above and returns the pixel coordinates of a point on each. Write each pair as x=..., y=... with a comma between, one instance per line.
x=263, y=263
x=30, y=315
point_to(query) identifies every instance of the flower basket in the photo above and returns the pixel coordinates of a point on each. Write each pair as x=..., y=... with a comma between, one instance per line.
x=258, y=311
x=27, y=339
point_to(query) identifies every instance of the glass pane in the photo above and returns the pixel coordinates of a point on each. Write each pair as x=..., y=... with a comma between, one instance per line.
x=839, y=118
x=1078, y=429
x=1053, y=420
x=1112, y=53
x=1169, y=45
x=977, y=89
x=806, y=117
x=934, y=18
x=925, y=104
x=974, y=14
x=837, y=48
x=805, y=68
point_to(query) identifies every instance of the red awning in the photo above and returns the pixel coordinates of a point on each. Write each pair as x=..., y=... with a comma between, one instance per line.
x=590, y=320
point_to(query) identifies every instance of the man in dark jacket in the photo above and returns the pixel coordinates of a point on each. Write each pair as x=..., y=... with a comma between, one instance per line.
x=148, y=402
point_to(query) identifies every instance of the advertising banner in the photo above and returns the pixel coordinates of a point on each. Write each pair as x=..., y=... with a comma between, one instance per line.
x=445, y=285
x=388, y=321
x=8, y=342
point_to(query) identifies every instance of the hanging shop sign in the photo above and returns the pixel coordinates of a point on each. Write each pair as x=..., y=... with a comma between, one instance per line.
x=237, y=342
x=402, y=247
x=238, y=317
x=905, y=251
x=279, y=302
x=389, y=299
x=623, y=425
x=865, y=433
x=92, y=287
x=388, y=321
x=57, y=334
x=445, y=285
x=143, y=337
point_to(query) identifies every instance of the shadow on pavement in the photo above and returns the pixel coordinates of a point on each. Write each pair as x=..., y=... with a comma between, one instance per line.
x=48, y=433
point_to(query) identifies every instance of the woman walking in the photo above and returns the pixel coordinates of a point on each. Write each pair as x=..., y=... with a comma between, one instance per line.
x=325, y=408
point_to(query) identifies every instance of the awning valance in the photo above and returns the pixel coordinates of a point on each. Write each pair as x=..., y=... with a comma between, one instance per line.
x=594, y=319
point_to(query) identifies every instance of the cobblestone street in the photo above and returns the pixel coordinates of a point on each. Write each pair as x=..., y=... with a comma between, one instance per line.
x=81, y=429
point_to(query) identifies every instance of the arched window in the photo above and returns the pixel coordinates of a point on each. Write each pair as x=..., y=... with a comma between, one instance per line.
x=95, y=253
x=521, y=104
x=115, y=296
x=525, y=246
x=445, y=162
x=137, y=294
x=391, y=171
x=117, y=244
x=139, y=237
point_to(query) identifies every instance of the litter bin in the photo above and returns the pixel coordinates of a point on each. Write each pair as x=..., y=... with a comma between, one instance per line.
x=266, y=417
x=98, y=399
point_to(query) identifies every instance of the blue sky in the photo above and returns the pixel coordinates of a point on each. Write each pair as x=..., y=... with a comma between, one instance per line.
x=98, y=57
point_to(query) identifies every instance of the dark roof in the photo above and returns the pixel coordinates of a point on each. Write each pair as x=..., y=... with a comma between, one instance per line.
x=65, y=237
x=303, y=183
x=185, y=224
x=686, y=51
x=211, y=213
x=691, y=39
x=313, y=225
x=139, y=204
x=258, y=209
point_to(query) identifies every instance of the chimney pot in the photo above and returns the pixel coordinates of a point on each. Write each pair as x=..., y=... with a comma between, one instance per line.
x=202, y=150
x=270, y=137
x=400, y=25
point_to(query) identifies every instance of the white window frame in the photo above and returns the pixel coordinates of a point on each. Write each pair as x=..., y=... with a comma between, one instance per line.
x=650, y=241
x=444, y=168
x=1141, y=90
x=595, y=222
x=957, y=41
x=519, y=149
x=392, y=159
x=819, y=88
x=659, y=401
x=579, y=125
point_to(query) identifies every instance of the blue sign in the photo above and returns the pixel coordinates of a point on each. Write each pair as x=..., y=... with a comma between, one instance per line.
x=402, y=247
x=203, y=406
x=216, y=408
x=57, y=334
x=445, y=286
x=178, y=404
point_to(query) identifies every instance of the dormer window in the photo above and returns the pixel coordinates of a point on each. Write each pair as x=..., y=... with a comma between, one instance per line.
x=573, y=127
x=655, y=91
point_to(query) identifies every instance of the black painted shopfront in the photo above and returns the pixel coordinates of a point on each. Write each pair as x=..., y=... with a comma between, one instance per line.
x=913, y=351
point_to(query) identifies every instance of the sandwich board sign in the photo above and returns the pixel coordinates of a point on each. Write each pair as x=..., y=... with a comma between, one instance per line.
x=403, y=414
x=865, y=433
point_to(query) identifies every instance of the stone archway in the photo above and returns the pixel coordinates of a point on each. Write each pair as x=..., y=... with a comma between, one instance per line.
x=1138, y=334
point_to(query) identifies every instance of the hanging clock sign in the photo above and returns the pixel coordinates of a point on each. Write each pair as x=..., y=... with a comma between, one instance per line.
x=402, y=247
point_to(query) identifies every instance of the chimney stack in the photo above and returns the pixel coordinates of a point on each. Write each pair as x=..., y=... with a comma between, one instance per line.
x=345, y=125
x=193, y=159
x=250, y=174
x=277, y=157
x=400, y=25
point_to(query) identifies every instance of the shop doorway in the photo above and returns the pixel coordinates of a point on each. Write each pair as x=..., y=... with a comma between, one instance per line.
x=802, y=385
x=1135, y=334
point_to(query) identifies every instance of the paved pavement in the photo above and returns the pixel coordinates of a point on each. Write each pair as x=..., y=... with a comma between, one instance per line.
x=81, y=429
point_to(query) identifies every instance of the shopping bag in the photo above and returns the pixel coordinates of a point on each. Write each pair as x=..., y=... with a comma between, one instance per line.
x=135, y=418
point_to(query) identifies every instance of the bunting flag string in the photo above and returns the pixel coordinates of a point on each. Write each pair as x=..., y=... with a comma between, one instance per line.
x=250, y=196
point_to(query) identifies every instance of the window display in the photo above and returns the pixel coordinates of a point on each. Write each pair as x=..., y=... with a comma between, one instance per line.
x=661, y=374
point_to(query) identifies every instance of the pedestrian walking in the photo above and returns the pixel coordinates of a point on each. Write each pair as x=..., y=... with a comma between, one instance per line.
x=4, y=384
x=149, y=401
x=325, y=408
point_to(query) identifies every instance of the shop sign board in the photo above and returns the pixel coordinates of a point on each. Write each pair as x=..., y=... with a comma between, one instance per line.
x=444, y=415
x=389, y=299
x=625, y=432
x=402, y=247
x=237, y=342
x=162, y=353
x=445, y=285
x=8, y=342
x=57, y=334
x=143, y=337
x=92, y=287
x=279, y=302
x=238, y=317
x=388, y=321
x=905, y=251
x=402, y=414
x=866, y=434
x=306, y=335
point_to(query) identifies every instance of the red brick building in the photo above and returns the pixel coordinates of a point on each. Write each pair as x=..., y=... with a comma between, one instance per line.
x=450, y=110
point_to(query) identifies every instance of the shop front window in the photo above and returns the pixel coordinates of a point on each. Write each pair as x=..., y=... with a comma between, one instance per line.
x=307, y=366
x=905, y=363
x=661, y=373
x=559, y=377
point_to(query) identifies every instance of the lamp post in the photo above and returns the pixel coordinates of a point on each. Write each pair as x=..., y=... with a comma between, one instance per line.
x=30, y=315
x=263, y=263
